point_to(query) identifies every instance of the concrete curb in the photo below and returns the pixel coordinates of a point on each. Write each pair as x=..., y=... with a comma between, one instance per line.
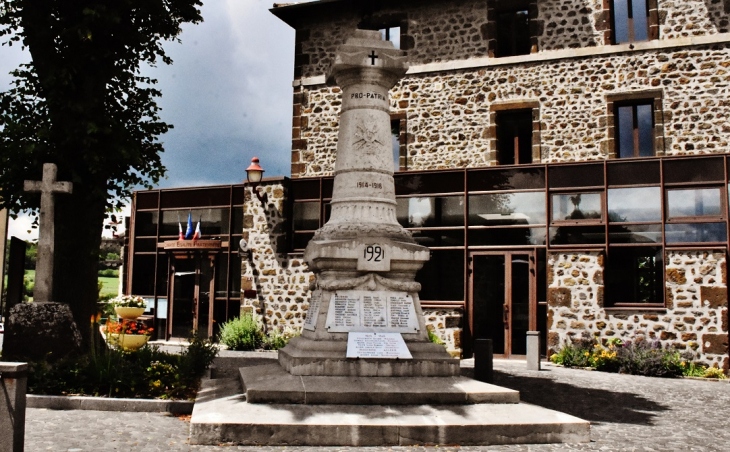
x=109, y=404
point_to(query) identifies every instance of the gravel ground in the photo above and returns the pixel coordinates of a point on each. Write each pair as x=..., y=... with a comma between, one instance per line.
x=627, y=413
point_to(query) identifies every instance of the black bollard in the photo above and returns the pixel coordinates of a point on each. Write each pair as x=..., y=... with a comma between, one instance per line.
x=483, y=360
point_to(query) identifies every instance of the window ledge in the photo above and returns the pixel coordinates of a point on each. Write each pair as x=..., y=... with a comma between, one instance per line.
x=636, y=308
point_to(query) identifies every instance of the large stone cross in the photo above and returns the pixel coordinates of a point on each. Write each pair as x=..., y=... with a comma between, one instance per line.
x=43, y=291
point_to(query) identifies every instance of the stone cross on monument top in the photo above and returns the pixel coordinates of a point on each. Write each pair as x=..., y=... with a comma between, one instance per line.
x=47, y=187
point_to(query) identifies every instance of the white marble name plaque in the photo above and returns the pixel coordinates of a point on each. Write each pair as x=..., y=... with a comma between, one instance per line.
x=371, y=311
x=377, y=345
x=313, y=312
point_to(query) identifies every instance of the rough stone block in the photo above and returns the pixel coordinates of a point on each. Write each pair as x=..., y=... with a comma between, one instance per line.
x=559, y=296
x=716, y=344
x=40, y=330
x=715, y=296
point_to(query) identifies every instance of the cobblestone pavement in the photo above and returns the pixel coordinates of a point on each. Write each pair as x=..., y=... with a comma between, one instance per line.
x=627, y=413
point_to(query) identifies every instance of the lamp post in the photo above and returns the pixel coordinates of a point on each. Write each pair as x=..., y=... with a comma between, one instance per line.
x=254, y=173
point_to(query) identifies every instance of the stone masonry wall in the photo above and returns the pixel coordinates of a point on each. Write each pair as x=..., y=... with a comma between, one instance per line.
x=694, y=321
x=438, y=31
x=282, y=280
x=448, y=114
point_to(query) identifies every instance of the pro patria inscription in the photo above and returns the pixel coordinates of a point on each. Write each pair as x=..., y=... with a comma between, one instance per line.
x=371, y=311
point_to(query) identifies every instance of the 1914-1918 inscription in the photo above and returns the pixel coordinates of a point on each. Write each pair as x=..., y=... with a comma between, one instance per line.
x=375, y=311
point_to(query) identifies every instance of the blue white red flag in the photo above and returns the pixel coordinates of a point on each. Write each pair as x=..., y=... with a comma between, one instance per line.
x=189, y=230
x=197, y=234
x=180, y=236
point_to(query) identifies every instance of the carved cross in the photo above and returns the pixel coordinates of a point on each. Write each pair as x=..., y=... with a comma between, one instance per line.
x=47, y=187
x=372, y=57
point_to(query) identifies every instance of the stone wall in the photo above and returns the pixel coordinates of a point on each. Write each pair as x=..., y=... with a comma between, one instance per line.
x=694, y=319
x=282, y=281
x=448, y=114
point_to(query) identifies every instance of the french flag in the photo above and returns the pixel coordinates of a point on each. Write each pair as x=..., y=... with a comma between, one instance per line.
x=197, y=234
x=189, y=230
x=180, y=236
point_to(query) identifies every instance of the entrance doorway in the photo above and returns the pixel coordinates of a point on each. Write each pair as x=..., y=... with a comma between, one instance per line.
x=502, y=295
x=192, y=279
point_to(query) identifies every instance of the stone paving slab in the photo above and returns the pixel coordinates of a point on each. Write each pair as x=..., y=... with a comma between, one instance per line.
x=109, y=404
x=270, y=383
x=627, y=413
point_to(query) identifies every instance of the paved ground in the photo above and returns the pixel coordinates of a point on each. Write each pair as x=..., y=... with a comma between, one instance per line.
x=627, y=413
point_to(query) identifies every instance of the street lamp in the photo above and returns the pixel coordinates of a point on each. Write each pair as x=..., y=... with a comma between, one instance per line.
x=254, y=173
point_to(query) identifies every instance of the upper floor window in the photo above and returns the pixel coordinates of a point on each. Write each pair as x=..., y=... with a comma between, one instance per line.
x=510, y=31
x=634, y=129
x=514, y=137
x=391, y=34
x=398, y=141
x=633, y=20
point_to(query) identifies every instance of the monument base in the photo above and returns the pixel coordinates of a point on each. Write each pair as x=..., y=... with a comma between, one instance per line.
x=303, y=356
x=222, y=415
x=40, y=330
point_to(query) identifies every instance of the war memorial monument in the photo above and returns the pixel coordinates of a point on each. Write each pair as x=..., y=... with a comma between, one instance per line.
x=363, y=372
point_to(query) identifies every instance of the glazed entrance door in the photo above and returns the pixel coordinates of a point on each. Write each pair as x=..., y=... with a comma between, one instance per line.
x=502, y=298
x=191, y=296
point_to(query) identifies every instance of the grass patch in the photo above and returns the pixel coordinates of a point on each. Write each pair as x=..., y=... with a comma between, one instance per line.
x=109, y=286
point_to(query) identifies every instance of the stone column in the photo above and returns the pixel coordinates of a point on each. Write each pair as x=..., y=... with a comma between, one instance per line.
x=13, y=382
x=362, y=256
x=533, y=350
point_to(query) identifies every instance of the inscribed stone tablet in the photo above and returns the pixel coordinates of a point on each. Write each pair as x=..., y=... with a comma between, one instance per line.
x=402, y=313
x=374, y=310
x=377, y=345
x=311, y=320
x=344, y=311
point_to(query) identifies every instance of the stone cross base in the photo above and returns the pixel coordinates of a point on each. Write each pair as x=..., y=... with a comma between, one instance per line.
x=40, y=331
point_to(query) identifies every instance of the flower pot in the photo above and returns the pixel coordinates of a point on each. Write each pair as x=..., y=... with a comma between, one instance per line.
x=128, y=342
x=128, y=313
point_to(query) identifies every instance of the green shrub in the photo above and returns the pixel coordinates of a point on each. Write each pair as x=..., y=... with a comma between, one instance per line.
x=714, y=372
x=145, y=373
x=243, y=333
x=641, y=357
x=278, y=337
x=575, y=353
x=109, y=273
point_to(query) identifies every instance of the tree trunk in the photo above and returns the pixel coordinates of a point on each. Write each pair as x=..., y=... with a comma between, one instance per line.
x=79, y=224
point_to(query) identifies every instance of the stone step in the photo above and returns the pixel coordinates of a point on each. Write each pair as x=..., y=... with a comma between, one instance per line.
x=222, y=415
x=270, y=383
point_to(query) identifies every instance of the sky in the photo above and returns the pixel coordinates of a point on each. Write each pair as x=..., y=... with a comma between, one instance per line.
x=228, y=95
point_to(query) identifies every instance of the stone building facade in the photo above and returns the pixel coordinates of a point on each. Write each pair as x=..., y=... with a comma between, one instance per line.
x=568, y=170
x=578, y=71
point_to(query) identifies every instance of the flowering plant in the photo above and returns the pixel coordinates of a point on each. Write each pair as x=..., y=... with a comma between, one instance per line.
x=128, y=301
x=127, y=327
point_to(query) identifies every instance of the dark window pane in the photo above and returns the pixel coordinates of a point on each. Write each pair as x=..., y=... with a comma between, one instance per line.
x=239, y=196
x=577, y=235
x=441, y=182
x=646, y=130
x=146, y=199
x=634, y=275
x=694, y=170
x=621, y=21
x=625, y=121
x=195, y=198
x=695, y=232
x=305, y=189
x=507, y=179
x=143, y=275
x=235, y=277
x=639, y=13
x=507, y=208
x=431, y=211
x=513, y=33
x=145, y=245
x=328, y=184
x=221, y=275
x=567, y=176
x=442, y=277
x=439, y=238
x=299, y=241
x=576, y=206
x=633, y=173
x=162, y=277
x=145, y=224
x=306, y=216
x=213, y=222
x=237, y=220
x=635, y=233
x=634, y=204
x=697, y=202
x=514, y=137
x=506, y=236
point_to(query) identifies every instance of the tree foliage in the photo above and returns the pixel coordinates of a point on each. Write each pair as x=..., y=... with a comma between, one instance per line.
x=83, y=103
